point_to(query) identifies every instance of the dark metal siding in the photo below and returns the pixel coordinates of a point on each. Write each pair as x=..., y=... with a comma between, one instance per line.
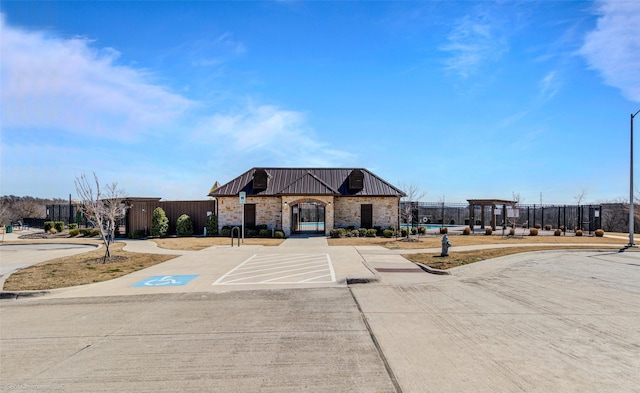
x=140, y=215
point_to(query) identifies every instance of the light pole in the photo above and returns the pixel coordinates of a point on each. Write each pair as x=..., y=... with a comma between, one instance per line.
x=631, y=209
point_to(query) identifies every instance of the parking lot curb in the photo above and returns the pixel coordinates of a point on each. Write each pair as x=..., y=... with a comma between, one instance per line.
x=21, y=294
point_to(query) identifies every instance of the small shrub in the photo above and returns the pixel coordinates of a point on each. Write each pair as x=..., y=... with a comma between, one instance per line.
x=357, y=232
x=537, y=226
x=212, y=225
x=74, y=232
x=225, y=232
x=452, y=222
x=137, y=234
x=466, y=231
x=388, y=233
x=414, y=231
x=59, y=226
x=48, y=225
x=422, y=230
x=579, y=232
x=264, y=233
x=278, y=234
x=53, y=231
x=184, y=226
x=404, y=232
x=548, y=227
x=252, y=233
x=533, y=232
x=362, y=232
x=488, y=231
x=378, y=229
x=557, y=232
x=159, y=222
x=512, y=232
x=599, y=233
x=73, y=225
x=371, y=232
x=337, y=233
x=444, y=230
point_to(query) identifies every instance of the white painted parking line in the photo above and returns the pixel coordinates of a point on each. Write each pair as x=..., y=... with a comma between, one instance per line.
x=281, y=269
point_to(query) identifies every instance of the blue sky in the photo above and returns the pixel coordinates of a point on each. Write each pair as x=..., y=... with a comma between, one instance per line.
x=462, y=99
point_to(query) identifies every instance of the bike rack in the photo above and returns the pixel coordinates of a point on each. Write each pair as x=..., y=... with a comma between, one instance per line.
x=233, y=230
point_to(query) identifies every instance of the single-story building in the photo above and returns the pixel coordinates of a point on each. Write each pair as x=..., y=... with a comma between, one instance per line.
x=297, y=200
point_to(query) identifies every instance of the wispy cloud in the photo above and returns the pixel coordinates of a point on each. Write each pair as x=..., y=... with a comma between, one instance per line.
x=265, y=131
x=549, y=86
x=613, y=47
x=64, y=84
x=473, y=41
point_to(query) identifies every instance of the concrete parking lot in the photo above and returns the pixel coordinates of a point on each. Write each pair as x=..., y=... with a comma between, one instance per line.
x=555, y=321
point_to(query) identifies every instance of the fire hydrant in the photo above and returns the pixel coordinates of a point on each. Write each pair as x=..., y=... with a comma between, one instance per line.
x=445, y=246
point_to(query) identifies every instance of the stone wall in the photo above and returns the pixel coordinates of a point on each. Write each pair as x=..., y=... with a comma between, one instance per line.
x=385, y=211
x=275, y=212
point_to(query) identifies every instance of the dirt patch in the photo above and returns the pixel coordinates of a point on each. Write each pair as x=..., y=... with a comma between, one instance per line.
x=81, y=269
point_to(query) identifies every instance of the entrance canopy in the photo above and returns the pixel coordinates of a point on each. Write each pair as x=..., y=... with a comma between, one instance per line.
x=484, y=203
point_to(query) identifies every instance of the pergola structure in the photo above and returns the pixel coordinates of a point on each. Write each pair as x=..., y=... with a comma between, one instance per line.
x=488, y=202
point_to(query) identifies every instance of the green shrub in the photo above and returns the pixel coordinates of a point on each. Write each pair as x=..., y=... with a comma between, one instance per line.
x=488, y=231
x=579, y=232
x=444, y=230
x=184, y=226
x=252, y=233
x=404, y=232
x=48, y=225
x=278, y=234
x=74, y=232
x=73, y=225
x=533, y=232
x=422, y=230
x=225, y=232
x=599, y=233
x=362, y=232
x=371, y=232
x=264, y=233
x=337, y=233
x=212, y=225
x=159, y=222
x=414, y=231
x=387, y=233
x=356, y=233
x=557, y=232
x=59, y=226
x=137, y=234
x=466, y=231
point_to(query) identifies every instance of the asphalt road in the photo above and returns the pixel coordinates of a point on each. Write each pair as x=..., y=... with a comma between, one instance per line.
x=555, y=321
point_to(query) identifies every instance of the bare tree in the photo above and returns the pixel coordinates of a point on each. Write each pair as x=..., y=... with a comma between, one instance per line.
x=579, y=197
x=103, y=209
x=409, y=203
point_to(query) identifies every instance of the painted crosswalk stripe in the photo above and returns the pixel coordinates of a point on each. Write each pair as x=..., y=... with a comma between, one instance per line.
x=281, y=269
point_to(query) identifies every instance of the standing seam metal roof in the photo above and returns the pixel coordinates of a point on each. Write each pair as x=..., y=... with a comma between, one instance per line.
x=308, y=181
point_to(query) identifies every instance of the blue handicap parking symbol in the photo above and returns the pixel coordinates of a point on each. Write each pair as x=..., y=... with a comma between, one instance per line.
x=165, y=281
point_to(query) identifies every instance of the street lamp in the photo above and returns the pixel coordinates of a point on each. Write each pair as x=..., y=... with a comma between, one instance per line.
x=631, y=209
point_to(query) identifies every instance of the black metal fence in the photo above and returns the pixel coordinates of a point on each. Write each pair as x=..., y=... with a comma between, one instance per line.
x=612, y=217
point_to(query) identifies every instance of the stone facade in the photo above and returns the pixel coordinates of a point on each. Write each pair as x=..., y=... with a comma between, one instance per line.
x=385, y=211
x=276, y=211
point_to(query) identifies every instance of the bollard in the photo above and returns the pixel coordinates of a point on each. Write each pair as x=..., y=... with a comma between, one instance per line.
x=445, y=246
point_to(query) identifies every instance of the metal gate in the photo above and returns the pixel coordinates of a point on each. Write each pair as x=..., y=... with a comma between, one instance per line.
x=308, y=217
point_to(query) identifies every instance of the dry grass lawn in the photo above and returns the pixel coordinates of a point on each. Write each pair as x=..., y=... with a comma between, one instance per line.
x=199, y=243
x=81, y=269
x=460, y=258
x=431, y=241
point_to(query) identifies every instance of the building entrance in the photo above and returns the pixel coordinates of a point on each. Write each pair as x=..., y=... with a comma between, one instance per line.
x=307, y=217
